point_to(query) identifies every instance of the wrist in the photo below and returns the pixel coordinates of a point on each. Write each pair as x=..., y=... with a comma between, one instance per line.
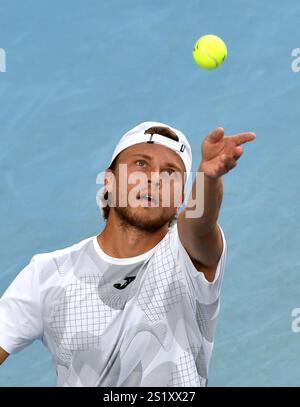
x=208, y=176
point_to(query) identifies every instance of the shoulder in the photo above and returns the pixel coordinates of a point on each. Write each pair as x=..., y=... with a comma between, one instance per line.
x=196, y=269
x=176, y=243
x=58, y=256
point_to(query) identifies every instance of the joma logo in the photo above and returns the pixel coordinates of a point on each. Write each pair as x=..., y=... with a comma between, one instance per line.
x=121, y=286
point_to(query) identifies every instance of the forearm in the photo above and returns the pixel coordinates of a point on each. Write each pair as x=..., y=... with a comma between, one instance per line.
x=211, y=202
x=198, y=228
x=3, y=355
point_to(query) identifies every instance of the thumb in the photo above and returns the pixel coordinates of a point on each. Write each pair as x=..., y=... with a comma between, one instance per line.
x=216, y=135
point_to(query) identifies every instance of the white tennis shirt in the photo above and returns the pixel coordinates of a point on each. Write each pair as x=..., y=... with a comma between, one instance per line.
x=142, y=321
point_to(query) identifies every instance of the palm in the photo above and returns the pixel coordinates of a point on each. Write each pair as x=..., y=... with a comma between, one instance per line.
x=220, y=153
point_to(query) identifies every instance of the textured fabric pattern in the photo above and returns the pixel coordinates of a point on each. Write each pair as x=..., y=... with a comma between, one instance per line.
x=145, y=323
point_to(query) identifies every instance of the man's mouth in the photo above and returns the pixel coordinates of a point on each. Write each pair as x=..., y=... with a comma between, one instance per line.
x=147, y=197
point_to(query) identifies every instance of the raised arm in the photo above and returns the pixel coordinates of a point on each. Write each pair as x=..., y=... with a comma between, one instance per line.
x=201, y=236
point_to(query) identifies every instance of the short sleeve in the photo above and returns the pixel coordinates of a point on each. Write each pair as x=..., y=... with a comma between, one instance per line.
x=20, y=311
x=205, y=291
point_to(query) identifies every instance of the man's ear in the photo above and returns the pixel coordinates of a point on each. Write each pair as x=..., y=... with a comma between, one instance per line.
x=109, y=180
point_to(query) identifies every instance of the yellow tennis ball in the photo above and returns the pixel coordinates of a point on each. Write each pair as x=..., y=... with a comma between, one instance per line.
x=210, y=51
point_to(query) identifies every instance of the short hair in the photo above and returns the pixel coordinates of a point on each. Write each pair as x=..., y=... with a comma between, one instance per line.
x=163, y=131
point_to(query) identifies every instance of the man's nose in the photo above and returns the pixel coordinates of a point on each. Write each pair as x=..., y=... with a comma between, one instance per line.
x=154, y=177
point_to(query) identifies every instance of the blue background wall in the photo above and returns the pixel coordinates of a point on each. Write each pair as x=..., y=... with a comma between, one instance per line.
x=81, y=73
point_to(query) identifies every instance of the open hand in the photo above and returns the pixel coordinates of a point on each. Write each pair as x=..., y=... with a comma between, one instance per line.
x=220, y=153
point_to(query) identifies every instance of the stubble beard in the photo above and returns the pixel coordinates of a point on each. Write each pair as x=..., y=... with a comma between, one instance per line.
x=145, y=223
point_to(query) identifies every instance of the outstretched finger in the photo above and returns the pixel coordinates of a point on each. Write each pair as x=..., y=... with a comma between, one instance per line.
x=244, y=137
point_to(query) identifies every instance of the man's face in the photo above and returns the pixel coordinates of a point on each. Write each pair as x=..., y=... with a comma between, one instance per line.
x=153, y=170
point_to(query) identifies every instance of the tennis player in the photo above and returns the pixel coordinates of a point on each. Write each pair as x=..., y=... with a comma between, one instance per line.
x=137, y=304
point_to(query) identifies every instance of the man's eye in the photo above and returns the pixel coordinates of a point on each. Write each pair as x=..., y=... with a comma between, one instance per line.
x=140, y=161
x=168, y=171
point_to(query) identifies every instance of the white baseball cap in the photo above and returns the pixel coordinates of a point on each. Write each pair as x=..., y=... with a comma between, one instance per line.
x=137, y=135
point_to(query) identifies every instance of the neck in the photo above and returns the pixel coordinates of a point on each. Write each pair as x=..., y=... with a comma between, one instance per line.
x=121, y=240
